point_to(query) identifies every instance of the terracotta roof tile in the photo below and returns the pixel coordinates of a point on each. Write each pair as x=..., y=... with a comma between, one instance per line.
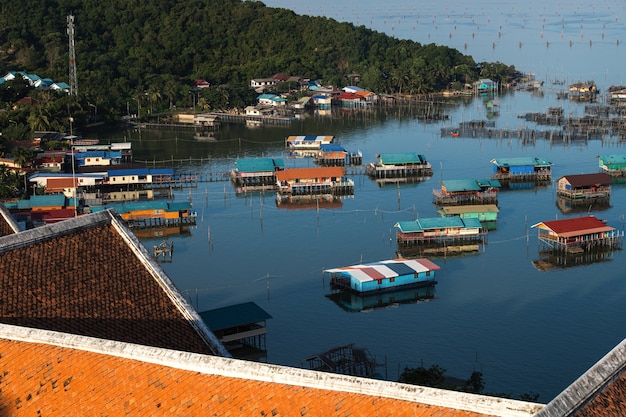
x=90, y=282
x=41, y=379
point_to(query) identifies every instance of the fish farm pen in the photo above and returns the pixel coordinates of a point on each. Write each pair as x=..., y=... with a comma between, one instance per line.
x=598, y=124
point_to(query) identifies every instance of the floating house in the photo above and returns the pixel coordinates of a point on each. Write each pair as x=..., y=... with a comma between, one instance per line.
x=331, y=154
x=400, y=166
x=438, y=230
x=522, y=170
x=308, y=181
x=485, y=85
x=252, y=174
x=155, y=213
x=487, y=214
x=613, y=164
x=140, y=176
x=585, y=187
x=578, y=235
x=238, y=327
x=97, y=158
x=467, y=191
x=583, y=91
x=382, y=276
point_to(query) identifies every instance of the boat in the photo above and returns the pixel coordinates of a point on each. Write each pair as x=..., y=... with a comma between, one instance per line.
x=383, y=276
x=454, y=133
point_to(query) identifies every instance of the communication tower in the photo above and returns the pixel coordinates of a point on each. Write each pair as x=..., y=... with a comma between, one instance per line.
x=70, y=33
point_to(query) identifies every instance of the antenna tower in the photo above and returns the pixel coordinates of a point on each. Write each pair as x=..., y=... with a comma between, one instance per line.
x=70, y=33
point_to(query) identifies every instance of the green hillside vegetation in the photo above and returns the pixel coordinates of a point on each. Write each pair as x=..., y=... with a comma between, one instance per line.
x=142, y=57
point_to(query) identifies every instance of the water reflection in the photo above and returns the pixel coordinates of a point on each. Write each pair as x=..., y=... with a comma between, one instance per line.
x=558, y=259
x=352, y=302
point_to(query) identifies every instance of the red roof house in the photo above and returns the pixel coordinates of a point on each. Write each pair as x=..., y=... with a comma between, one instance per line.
x=579, y=233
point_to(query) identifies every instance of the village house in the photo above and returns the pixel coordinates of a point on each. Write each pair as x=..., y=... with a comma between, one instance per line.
x=613, y=164
x=308, y=181
x=578, y=234
x=467, y=191
x=585, y=186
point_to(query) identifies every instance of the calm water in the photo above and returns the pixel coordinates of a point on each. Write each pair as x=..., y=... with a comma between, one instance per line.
x=526, y=329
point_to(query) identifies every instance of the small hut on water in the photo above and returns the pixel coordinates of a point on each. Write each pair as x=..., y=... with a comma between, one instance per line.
x=613, y=164
x=314, y=181
x=467, y=191
x=522, y=170
x=577, y=235
x=256, y=173
x=396, y=166
x=438, y=231
x=585, y=187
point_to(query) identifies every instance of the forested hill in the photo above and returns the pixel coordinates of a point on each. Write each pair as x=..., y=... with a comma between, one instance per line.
x=123, y=47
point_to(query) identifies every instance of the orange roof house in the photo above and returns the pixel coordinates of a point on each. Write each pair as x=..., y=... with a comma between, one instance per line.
x=308, y=181
x=309, y=174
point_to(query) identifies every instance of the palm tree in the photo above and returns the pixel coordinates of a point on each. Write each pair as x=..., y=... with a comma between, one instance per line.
x=153, y=95
x=170, y=89
x=39, y=118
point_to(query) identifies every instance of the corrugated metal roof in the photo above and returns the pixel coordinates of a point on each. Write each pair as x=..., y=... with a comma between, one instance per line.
x=258, y=164
x=309, y=173
x=332, y=147
x=489, y=183
x=478, y=208
x=461, y=185
x=521, y=161
x=234, y=315
x=419, y=225
x=614, y=159
x=310, y=139
x=57, y=200
x=575, y=226
x=385, y=269
x=588, y=180
x=401, y=158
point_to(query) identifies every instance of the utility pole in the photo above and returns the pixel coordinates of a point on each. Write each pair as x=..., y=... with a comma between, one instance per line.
x=73, y=78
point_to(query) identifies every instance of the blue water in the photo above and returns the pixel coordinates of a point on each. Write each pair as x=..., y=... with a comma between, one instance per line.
x=526, y=329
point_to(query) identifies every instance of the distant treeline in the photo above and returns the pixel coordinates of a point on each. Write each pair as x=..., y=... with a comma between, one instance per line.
x=142, y=56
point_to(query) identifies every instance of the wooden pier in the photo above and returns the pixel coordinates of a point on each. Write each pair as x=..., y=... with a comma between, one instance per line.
x=250, y=119
x=147, y=222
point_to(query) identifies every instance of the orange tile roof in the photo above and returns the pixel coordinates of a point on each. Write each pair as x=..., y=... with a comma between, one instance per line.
x=309, y=173
x=55, y=374
x=91, y=276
